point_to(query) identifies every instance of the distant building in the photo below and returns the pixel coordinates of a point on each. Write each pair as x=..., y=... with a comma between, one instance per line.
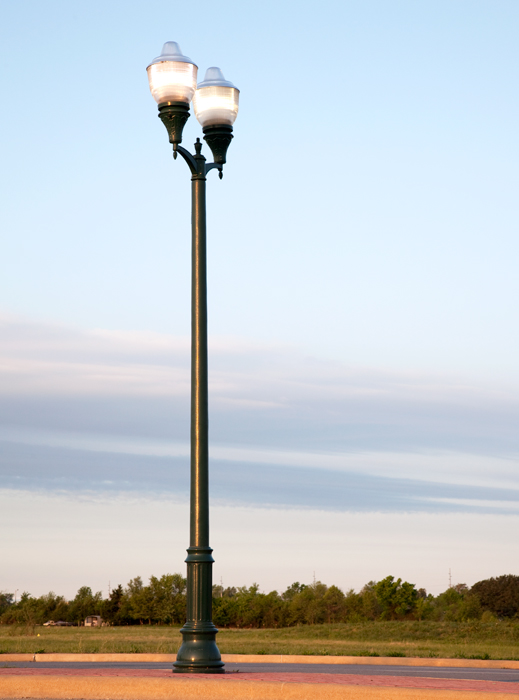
x=93, y=621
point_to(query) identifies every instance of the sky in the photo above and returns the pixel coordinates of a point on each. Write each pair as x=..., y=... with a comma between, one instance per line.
x=363, y=287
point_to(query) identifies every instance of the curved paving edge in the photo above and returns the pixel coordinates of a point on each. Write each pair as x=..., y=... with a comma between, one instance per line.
x=272, y=659
x=194, y=689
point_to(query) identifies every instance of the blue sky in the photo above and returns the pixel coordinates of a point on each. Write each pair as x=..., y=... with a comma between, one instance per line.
x=363, y=287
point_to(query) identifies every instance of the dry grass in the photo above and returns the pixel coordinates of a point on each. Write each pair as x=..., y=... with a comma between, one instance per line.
x=420, y=639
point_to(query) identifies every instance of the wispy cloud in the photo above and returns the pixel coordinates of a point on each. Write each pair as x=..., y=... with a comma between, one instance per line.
x=243, y=482
x=80, y=408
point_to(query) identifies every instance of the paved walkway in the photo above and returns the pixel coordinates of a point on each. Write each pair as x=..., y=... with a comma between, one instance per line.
x=68, y=681
x=473, y=674
x=251, y=681
x=280, y=677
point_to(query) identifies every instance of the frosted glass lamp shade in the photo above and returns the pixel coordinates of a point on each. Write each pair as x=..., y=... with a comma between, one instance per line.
x=216, y=100
x=172, y=76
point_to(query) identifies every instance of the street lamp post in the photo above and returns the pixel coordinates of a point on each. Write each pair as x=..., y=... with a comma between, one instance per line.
x=172, y=79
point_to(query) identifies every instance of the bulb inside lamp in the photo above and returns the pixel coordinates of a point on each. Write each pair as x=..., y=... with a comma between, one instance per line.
x=172, y=76
x=216, y=100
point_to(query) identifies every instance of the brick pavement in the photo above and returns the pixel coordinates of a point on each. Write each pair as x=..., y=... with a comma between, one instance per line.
x=424, y=683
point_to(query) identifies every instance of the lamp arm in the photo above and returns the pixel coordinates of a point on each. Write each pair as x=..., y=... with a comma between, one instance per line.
x=197, y=164
x=210, y=166
x=186, y=155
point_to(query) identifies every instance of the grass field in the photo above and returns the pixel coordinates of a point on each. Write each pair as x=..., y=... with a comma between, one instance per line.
x=495, y=640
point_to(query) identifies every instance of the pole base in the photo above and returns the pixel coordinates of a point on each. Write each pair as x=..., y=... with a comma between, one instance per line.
x=198, y=652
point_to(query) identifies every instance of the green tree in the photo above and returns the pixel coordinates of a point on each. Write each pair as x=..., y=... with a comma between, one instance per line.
x=371, y=608
x=85, y=603
x=6, y=600
x=499, y=595
x=308, y=606
x=353, y=607
x=51, y=607
x=35, y=611
x=396, y=598
x=424, y=608
x=168, y=598
x=457, y=604
x=334, y=605
x=113, y=608
x=293, y=590
x=140, y=601
x=470, y=608
x=221, y=592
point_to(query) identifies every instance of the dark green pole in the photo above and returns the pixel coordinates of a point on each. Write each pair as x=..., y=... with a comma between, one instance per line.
x=198, y=652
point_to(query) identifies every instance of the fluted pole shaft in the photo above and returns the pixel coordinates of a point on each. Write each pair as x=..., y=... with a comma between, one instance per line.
x=199, y=653
x=199, y=529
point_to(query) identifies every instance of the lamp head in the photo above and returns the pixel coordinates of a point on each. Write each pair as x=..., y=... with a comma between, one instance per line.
x=216, y=103
x=172, y=78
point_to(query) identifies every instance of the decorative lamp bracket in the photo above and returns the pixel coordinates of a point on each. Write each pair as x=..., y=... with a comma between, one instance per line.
x=186, y=155
x=218, y=138
x=196, y=163
x=174, y=117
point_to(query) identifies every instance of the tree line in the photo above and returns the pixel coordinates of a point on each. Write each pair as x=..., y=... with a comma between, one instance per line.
x=163, y=601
